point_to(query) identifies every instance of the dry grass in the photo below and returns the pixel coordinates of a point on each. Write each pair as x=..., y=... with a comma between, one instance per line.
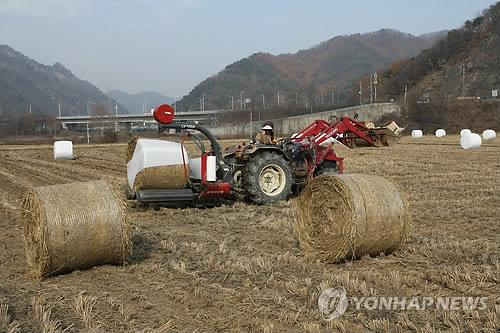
x=123, y=310
x=85, y=308
x=6, y=323
x=239, y=268
x=43, y=317
x=165, y=328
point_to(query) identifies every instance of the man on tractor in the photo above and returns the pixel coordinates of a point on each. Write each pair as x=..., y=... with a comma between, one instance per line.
x=266, y=135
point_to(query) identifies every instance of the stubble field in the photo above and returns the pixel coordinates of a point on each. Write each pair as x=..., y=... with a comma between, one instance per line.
x=239, y=268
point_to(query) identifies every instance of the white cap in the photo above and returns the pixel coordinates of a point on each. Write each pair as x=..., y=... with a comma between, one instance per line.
x=267, y=127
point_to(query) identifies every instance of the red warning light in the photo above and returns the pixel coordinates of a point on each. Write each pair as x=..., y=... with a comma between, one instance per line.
x=164, y=114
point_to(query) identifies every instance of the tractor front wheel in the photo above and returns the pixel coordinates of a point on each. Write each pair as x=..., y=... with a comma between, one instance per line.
x=267, y=178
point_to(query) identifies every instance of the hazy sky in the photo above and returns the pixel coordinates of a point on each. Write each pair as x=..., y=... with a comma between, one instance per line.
x=169, y=46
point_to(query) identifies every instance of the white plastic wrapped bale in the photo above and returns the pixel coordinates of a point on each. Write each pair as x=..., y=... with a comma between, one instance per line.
x=415, y=134
x=471, y=141
x=489, y=134
x=465, y=131
x=158, y=164
x=195, y=168
x=440, y=133
x=63, y=150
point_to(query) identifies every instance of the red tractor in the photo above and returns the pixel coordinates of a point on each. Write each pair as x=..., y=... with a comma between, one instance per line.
x=261, y=173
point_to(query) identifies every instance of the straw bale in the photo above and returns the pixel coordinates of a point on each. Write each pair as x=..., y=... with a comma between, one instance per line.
x=131, y=147
x=348, y=216
x=166, y=176
x=74, y=226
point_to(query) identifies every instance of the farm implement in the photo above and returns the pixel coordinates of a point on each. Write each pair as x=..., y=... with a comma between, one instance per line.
x=256, y=172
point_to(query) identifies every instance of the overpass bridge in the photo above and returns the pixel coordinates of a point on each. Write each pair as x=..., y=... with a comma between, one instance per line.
x=204, y=117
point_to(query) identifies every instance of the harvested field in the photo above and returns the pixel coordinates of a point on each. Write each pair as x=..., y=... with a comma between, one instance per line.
x=239, y=268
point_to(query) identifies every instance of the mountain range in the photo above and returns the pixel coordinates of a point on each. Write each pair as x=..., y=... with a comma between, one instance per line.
x=330, y=67
x=137, y=103
x=26, y=85
x=454, y=82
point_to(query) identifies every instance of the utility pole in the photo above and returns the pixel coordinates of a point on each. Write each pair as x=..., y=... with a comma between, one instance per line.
x=251, y=125
x=241, y=99
x=463, y=80
x=30, y=109
x=406, y=93
x=144, y=108
x=116, y=116
x=279, y=98
x=296, y=98
x=371, y=88
x=59, y=109
x=263, y=101
x=203, y=102
x=232, y=102
x=88, y=119
x=375, y=82
x=360, y=92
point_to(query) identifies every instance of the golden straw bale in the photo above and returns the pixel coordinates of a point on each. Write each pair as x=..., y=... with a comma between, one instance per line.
x=166, y=176
x=348, y=216
x=74, y=226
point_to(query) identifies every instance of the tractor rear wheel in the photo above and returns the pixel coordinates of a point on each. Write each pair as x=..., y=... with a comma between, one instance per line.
x=267, y=178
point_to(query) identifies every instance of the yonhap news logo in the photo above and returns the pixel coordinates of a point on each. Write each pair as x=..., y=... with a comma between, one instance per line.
x=333, y=303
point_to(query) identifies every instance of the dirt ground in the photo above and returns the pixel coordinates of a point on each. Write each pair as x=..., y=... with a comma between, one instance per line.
x=239, y=268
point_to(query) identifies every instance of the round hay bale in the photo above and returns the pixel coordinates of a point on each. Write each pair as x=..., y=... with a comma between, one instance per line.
x=489, y=135
x=348, y=216
x=167, y=176
x=417, y=134
x=158, y=164
x=465, y=131
x=440, y=133
x=74, y=226
x=471, y=141
x=63, y=150
x=131, y=147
